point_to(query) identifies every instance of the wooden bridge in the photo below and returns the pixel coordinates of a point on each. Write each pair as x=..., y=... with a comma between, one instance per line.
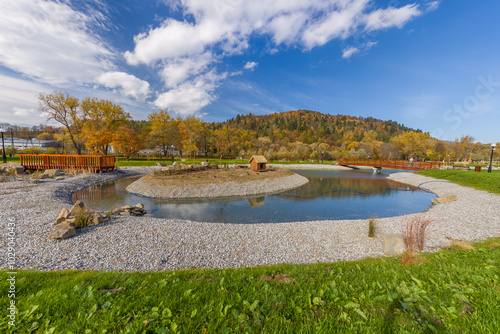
x=95, y=163
x=390, y=163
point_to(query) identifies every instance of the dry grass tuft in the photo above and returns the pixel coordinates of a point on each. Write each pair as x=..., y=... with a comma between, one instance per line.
x=411, y=258
x=461, y=245
x=495, y=245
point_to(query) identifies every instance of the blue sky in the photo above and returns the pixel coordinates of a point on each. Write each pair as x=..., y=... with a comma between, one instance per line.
x=432, y=65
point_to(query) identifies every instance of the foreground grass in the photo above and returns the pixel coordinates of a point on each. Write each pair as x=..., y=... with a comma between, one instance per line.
x=483, y=180
x=450, y=291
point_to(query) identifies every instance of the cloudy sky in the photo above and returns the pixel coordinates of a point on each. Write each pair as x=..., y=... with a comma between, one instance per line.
x=432, y=65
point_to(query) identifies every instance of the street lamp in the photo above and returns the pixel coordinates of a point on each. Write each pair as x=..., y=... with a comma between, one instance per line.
x=4, y=157
x=172, y=153
x=491, y=157
x=322, y=153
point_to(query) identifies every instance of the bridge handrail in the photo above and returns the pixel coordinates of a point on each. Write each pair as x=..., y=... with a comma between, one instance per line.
x=60, y=161
x=391, y=163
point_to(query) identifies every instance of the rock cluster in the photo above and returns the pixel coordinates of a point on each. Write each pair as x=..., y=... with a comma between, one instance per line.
x=129, y=210
x=13, y=168
x=65, y=226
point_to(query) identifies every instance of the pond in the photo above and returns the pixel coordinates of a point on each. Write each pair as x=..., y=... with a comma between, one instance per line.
x=330, y=195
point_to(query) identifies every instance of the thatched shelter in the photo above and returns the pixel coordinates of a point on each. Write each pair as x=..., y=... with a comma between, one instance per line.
x=258, y=163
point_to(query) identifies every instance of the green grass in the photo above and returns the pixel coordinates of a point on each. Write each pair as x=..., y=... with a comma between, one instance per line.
x=483, y=180
x=451, y=291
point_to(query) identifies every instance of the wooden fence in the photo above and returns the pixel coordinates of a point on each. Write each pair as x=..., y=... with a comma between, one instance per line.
x=95, y=163
x=390, y=163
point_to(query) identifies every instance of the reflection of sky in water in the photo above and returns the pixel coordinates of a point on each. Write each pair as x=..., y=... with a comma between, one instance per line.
x=330, y=195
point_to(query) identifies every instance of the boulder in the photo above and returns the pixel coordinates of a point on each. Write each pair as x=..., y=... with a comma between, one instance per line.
x=140, y=206
x=53, y=172
x=70, y=220
x=159, y=164
x=62, y=216
x=444, y=199
x=125, y=213
x=394, y=244
x=127, y=207
x=63, y=231
x=97, y=219
x=77, y=209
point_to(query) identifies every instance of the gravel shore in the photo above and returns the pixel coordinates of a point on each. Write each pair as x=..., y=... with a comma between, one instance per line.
x=230, y=189
x=149, y=244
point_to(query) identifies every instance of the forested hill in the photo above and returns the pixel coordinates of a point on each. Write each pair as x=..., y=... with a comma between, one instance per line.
x=311, y=126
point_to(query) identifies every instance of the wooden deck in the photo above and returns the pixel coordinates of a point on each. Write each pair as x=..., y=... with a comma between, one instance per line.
x=390, y=163
x=95, y=163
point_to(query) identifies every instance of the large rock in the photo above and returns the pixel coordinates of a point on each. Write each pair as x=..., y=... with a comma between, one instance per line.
x=444, y=199
x=62, y=216
x=14, y=167
x=63, y=231
x=394, y=244
x=97, y=219
x=77, y=209
x=127, y=207
x=159, y=164
x=139, y=205
x=51, y=173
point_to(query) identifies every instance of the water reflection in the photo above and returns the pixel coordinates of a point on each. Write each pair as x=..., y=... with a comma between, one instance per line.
x=328, y=195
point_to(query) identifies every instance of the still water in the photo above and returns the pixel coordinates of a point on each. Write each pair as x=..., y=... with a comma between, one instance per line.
x=330, y=195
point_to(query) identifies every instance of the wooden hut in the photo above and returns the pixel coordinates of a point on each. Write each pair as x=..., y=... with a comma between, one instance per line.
x=258, y=163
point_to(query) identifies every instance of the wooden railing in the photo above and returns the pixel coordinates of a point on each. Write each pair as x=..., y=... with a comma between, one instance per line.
x=95, y=163
x=390, y=163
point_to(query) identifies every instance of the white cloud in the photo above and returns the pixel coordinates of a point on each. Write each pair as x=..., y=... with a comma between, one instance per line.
x=349, y=52
x=50, y=42
x=191, y=96
x=251, y=65
x=391, y=17
x=129, y=85
x=178, y=70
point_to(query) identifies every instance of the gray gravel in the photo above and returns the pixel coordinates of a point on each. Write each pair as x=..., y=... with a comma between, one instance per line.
x=148, y=244
x=230, y=189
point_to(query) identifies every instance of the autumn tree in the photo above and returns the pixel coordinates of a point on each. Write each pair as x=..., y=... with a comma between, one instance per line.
x=126, y=141
x=65, y=110
x=164, y=132
x=103, y=120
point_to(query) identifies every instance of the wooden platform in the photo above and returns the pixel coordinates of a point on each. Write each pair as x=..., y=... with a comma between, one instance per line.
x=95, y=163
x=391, y=163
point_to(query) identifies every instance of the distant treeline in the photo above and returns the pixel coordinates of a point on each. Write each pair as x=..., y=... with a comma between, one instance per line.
x=95, y=126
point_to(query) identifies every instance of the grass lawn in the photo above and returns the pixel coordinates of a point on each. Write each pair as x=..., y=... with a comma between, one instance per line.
x=483, y=180
x=451, y=291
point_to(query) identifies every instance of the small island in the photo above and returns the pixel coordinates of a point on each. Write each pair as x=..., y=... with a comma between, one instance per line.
x=214, y=183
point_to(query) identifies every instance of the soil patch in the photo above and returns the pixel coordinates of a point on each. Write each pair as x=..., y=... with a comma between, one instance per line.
x=212, y=176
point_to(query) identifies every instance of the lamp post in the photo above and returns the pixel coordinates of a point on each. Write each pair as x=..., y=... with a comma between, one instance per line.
x=172, y=153
x=322, y=154
x=491, y=157
x=4, y=157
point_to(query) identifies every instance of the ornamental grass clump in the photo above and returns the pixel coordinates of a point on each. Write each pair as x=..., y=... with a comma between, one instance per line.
x=371, y=227
x=414, y=238
x=83, y=218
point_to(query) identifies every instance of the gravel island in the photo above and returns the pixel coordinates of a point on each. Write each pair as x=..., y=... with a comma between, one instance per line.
x=215, y=184
x=153, y=244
